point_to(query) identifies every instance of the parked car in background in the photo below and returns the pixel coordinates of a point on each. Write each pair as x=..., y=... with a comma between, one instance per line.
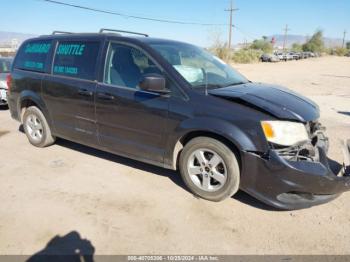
x=284, y=56
x=309, y=54
x=294, y=55
x=289, y=56
x=5, y=68
x=269, y=58
x=304, y=55
x=281, y=56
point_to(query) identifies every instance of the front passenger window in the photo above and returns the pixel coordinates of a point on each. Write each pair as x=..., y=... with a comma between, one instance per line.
x=127, y=65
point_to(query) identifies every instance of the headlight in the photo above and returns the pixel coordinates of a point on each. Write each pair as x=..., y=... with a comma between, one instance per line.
x=284, y=133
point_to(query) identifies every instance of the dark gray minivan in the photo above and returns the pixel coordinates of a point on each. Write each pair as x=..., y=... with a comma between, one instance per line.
x=177, y=106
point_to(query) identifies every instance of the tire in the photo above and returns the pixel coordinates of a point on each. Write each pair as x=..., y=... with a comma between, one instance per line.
x=36, y=128
x=218, y=190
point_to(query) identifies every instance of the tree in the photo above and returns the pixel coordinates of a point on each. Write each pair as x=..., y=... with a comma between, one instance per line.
x=297, y=47
x=218, y=46
x=348, y=45
x=316, y=43
x=263, y=45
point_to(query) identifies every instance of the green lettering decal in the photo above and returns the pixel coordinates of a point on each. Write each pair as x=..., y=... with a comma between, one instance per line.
x=70, y=49
x=34, y=65
x=37, y=48
x=65, y=70
x=81, y=49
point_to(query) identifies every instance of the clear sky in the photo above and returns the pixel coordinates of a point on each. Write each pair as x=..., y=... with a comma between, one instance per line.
x=255, y=17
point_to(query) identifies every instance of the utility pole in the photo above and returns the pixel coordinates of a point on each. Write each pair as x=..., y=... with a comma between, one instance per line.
x=231, y=10
x=344, y=39
x=286, y=29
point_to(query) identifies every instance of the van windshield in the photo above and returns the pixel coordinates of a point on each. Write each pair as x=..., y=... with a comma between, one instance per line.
x=199, y=67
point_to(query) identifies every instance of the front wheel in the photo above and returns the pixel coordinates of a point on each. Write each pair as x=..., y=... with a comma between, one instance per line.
x=210, y=169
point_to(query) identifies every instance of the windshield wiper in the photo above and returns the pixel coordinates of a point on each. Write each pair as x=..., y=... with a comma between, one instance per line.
x=208, y=86
x=235, y=84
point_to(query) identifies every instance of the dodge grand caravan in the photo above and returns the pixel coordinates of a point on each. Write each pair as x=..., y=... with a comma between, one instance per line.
x=177, y=106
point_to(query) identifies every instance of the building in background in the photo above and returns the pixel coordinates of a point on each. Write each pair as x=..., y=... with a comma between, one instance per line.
x=9, y=48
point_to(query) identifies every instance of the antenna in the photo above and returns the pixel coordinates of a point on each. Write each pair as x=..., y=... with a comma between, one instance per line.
x=206, y=82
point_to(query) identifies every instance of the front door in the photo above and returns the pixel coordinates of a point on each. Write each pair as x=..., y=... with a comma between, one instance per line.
x=130, y=121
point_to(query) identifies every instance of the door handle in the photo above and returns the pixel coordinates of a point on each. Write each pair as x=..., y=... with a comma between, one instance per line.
x=105, y=96
x=85, y=92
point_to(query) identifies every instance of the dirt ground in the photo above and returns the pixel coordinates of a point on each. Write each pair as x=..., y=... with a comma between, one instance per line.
x=126, y=207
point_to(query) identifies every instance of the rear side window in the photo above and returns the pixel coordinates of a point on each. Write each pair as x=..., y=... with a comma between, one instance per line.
x=33, y=56
x=76, y=59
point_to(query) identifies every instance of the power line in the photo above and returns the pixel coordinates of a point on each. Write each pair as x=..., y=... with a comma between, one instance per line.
x=251, y=36
x=130, y=16
x=231, y=10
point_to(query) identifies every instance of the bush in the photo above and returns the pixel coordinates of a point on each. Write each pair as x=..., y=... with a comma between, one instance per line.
x=222, y=52
x=262, y=45
x=297, y=47
x=245, y=56
x=339, y=51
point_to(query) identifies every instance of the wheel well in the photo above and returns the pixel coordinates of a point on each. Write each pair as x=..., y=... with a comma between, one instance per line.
x=25, y=104
x=188, y=137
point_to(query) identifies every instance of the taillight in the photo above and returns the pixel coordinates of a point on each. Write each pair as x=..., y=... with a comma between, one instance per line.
x=9, y=82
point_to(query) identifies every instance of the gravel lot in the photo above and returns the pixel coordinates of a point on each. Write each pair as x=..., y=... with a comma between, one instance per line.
x=126, y=207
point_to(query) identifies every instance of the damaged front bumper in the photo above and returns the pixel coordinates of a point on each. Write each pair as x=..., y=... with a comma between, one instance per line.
x=295, y=180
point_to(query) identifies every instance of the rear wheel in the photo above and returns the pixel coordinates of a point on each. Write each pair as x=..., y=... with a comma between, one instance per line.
x=36, y=128
x=210, y=169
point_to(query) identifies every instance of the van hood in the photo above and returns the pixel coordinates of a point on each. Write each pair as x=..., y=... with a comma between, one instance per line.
x=275, y=100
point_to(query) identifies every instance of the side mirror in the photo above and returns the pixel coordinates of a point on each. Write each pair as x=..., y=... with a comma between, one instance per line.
x=154, y=83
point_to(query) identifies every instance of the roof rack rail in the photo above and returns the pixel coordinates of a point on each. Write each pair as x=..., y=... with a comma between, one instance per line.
x=61, y=32
x=122, y=31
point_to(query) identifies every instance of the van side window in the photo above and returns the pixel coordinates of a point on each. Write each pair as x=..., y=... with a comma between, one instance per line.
x=126, y=65
x=33, y=56
x=76, y=59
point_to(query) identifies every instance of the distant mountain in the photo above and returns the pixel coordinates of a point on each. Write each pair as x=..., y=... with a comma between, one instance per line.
x=7, y=37
x=300, y=39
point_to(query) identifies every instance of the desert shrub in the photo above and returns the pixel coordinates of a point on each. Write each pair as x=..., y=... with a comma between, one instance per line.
x=339, y=51
x=245, y=56
x=222, y=52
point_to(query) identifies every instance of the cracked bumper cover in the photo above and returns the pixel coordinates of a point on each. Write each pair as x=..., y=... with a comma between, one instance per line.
x=293, y=184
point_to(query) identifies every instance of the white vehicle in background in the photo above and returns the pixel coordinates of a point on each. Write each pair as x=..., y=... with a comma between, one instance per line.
x=284, y=56
x=281, y=56
x=5, y=68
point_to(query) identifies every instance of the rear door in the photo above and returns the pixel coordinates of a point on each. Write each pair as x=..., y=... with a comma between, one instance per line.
x=130, y=121
x=70, y=88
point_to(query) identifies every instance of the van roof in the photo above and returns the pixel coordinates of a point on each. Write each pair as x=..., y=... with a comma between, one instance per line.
x=104, y=36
